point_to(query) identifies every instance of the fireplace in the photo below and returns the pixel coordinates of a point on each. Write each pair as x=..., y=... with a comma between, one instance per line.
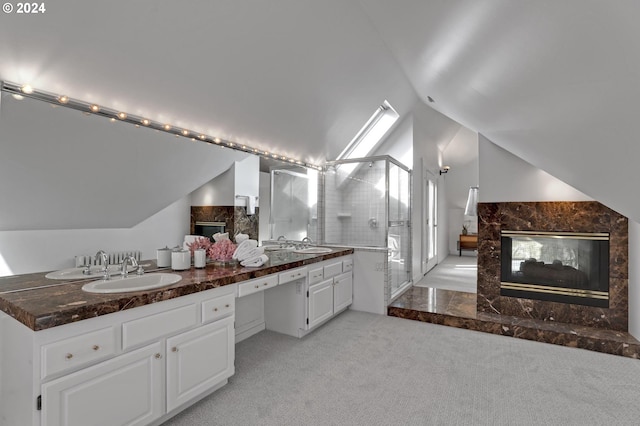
x=563, y=267
x=586, y=226
x=208, y=229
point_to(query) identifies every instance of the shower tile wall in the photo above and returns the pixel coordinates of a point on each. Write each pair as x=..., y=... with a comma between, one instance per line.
x=355, y=212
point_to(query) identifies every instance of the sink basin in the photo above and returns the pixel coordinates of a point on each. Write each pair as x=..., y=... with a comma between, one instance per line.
x=132, y=283
x=76, y=273
x=313, y=250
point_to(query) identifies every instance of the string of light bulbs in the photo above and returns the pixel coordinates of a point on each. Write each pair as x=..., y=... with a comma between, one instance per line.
x=25, y=90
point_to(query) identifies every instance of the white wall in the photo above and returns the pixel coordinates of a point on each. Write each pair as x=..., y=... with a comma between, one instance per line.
x=432, y=131
x=399, y=143
x=246, y=179
x=219, y=191
x=461, y=154
x=24, y=252
x=505, y=177
x=264, y=233
x=242, y=178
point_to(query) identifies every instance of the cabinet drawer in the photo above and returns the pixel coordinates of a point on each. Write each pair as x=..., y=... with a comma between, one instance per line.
x=347, y=265
x=315, y=276
x=154, y=326
x=218, y=307
x=332, y=269
x=292, y=275
x=77, y=351
x=256, y=285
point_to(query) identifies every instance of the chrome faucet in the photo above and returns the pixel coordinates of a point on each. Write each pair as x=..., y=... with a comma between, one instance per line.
x=306, y=242
x=130, y=259
x=105, y=263
x=105, y=259
x=282, y=241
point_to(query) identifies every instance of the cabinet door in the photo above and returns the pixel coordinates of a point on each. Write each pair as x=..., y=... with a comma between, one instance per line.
x=126, y=390
x=198, y=360
x=320, y=302
x=342, y=291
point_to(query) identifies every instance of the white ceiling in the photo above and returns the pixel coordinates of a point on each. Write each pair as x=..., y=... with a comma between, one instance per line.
x=554, y=82
x=297, y=77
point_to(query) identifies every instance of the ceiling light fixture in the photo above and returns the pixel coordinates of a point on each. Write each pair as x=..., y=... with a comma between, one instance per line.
x=87, y=108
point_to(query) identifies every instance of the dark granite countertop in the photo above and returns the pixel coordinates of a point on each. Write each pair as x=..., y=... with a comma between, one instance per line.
x=41, y=303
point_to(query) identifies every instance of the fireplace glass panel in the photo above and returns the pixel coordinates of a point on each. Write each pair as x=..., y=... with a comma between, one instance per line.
x=562, y=267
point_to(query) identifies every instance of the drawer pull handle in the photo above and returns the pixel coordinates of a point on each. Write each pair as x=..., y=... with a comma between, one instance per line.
x=227, y=305
x=215, y=309
x=257, y=286
x=69, y=356
x=265, y=284
x=174, y=349
x=95, y=347
x=158, y=356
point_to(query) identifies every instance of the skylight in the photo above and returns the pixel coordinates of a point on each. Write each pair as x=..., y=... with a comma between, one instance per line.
x=371, y=133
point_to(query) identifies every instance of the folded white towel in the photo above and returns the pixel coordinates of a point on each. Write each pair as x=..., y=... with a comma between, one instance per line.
x=243, y=248
x=252, y=253
x=241, y=237
x=255, y=262
x=220, y=236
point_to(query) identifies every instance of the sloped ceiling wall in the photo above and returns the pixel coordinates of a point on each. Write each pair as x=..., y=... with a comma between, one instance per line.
x=553, y=82
x=299, y=77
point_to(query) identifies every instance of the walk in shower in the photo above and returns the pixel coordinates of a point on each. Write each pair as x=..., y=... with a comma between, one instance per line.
x=367, y=204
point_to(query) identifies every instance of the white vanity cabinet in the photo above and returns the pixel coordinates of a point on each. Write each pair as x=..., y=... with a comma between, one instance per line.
x=126, y=390
x=329, y=297
x=198, y=360
x=134, y=367
x=320, y=302
x=296, y=307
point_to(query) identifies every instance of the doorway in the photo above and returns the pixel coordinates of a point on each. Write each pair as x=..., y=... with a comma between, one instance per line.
x=430, y=221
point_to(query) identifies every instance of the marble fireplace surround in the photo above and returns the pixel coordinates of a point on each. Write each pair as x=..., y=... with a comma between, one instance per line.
x=235, y=218
x=584, y=216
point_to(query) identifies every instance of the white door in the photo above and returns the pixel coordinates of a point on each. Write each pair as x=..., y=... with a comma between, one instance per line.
x=342, y=291
x=126, y=390
x=198, y=360
x=430, y=222
x=320, y=302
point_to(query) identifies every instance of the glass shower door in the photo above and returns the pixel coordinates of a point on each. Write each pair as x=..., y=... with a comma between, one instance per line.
x=398, y=237
x=290, y=211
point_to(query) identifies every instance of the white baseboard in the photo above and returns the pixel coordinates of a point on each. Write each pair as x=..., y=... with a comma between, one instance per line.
x=245, y=334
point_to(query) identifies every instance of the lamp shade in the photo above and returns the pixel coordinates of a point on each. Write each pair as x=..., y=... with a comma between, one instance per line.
x=471, y=208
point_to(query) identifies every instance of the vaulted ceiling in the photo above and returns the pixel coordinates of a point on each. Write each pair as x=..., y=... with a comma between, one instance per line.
x=554, y=82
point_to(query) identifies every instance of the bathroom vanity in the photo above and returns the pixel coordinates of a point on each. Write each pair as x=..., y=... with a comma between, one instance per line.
x=68, y=357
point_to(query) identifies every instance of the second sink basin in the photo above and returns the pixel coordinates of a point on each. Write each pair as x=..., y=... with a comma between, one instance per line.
x=132, y=283
x=313, y=250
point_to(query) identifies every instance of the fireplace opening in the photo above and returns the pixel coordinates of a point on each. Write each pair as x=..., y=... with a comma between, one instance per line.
x=556, y=266
x=208, y=229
